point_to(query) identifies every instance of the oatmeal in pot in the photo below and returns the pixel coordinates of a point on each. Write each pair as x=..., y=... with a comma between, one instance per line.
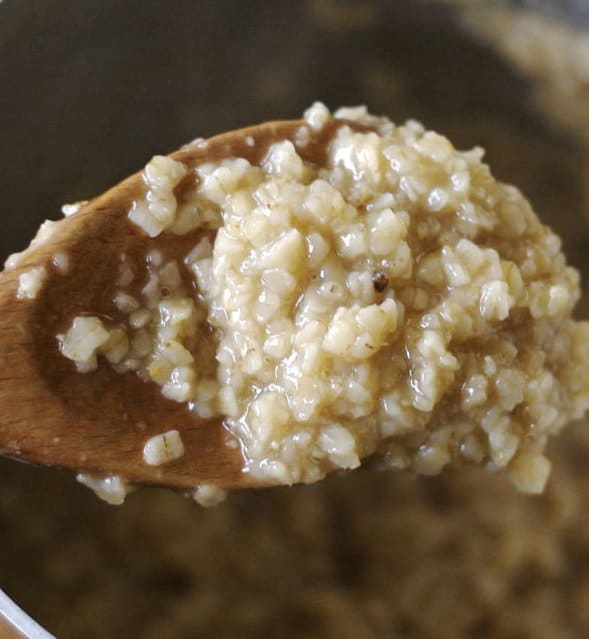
x=393, y=299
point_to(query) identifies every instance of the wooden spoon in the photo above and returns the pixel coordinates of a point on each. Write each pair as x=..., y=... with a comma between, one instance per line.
x=98, y=422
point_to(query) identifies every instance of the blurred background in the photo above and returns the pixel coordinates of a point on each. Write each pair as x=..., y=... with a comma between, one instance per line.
x=91, y=90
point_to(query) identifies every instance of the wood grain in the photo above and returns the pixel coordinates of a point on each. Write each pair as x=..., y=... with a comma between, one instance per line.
x=98, y=422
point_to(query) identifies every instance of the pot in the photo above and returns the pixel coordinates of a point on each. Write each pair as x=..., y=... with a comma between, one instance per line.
x=91, y=91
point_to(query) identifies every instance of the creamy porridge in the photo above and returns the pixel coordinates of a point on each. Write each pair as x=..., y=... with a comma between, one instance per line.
x=397, y=300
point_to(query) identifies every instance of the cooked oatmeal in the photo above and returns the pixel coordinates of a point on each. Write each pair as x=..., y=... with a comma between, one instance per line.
x=208, y=495
x=553, y=53
x=30, y=283
x=111, y=489
x=397, y=300
x=163, y=448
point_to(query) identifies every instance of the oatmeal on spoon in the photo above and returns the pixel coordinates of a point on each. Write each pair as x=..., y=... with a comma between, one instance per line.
x=286, y=300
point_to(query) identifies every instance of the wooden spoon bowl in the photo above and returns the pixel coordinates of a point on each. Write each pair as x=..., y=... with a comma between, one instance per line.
x=98, y=422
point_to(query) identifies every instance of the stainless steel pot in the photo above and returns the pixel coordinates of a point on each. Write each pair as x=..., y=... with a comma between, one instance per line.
x=92, y=89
